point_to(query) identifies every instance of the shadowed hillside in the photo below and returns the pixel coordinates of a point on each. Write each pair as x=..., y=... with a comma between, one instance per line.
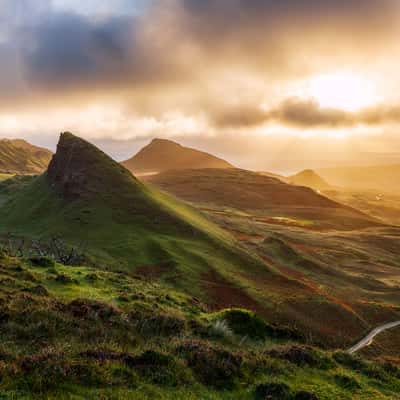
x=161, y=155
x=20, y=157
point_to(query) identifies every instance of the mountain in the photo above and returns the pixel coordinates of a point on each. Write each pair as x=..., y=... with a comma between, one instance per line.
x=133, y=231
x=246, y=190
x=380, y=177
x=161, y=155
x=20, y=157
x=309, y=178
x=85, y=197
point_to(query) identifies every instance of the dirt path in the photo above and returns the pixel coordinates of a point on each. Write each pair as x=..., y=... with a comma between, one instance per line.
x=370, y=337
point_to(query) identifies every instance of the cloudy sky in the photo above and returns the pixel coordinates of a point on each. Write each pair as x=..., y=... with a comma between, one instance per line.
x=267, y=84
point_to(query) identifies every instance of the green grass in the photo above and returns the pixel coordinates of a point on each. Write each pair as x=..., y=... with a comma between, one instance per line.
x=122, y=223
x=101, y=334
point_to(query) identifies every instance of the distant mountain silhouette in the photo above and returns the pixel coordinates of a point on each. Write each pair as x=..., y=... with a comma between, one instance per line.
x=162, y=155
x=309, y=178
x=17, y=156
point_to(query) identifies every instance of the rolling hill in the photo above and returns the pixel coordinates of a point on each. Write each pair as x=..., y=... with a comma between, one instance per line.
x=134, y=230
x=161, y=155
x=20, y=157
x=246, y=190
x=86, y=197
x=309, y=178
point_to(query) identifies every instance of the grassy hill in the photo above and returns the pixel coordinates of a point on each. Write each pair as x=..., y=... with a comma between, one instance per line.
x=161, y=155
x=126, y=226
x=20, y=157
x=246, y=190
x=87, y=198
x=82, y=333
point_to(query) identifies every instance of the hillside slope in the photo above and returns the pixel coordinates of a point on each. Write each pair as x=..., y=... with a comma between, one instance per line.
x=161, y=155
x=20, y=157
x=87, y=334
x=246, y=190
x=126, y=226
x=86, y=197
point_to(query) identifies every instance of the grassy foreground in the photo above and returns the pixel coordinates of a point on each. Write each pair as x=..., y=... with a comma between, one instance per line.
x=81, y=333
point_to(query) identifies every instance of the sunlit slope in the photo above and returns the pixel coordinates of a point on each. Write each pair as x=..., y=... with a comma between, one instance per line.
x=20, y=157
x=87, y=198
x=246, y=190
x=161, y=155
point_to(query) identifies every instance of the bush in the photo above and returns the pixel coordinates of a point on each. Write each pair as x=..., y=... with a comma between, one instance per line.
x=273, y=391
x=347, y=382
x=247, y=323
x=374, y=371
x=212, y=365
x=349, y=360
x=44, y=262
x=84, y=308
x=158, y=368
x=302, y=356
x=159, y=324
x=304, y=395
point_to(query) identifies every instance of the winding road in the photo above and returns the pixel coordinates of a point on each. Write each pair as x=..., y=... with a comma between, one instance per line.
x=370, y=337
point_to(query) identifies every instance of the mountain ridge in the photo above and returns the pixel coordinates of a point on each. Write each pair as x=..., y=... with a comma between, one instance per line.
x=162, y=154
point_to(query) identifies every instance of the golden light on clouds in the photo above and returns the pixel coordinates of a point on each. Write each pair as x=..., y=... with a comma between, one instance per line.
x=202, y=72
x=342, y=90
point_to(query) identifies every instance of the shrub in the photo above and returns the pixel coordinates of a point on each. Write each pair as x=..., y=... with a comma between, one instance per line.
x=273, y=391
x=347, y=382
x=84, y=308
x=159, y=324
x=44, y=262
x=302, y=356
x=247, y=323
x=158, y=368
x=212, y=365
x=349, y=360
x=304, y=395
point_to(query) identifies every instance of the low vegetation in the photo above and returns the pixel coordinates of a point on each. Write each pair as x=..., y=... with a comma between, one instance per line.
x=82, y=333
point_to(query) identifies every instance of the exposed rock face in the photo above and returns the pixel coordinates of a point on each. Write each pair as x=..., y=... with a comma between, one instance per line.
x=162, y=155
x=79, y=169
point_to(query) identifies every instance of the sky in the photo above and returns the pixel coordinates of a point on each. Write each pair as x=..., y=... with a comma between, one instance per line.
x=267, y=84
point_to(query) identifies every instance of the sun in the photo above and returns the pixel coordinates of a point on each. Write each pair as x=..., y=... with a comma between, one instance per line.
x=341, y=90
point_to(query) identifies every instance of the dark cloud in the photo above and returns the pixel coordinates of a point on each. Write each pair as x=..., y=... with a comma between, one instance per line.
x=184, y=43
x=304, y=114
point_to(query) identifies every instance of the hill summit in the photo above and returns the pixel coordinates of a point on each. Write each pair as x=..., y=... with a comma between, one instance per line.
x=79, y=169
x=161, y=155
x=17, y=156
x=309, y=178
x=87, y=197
